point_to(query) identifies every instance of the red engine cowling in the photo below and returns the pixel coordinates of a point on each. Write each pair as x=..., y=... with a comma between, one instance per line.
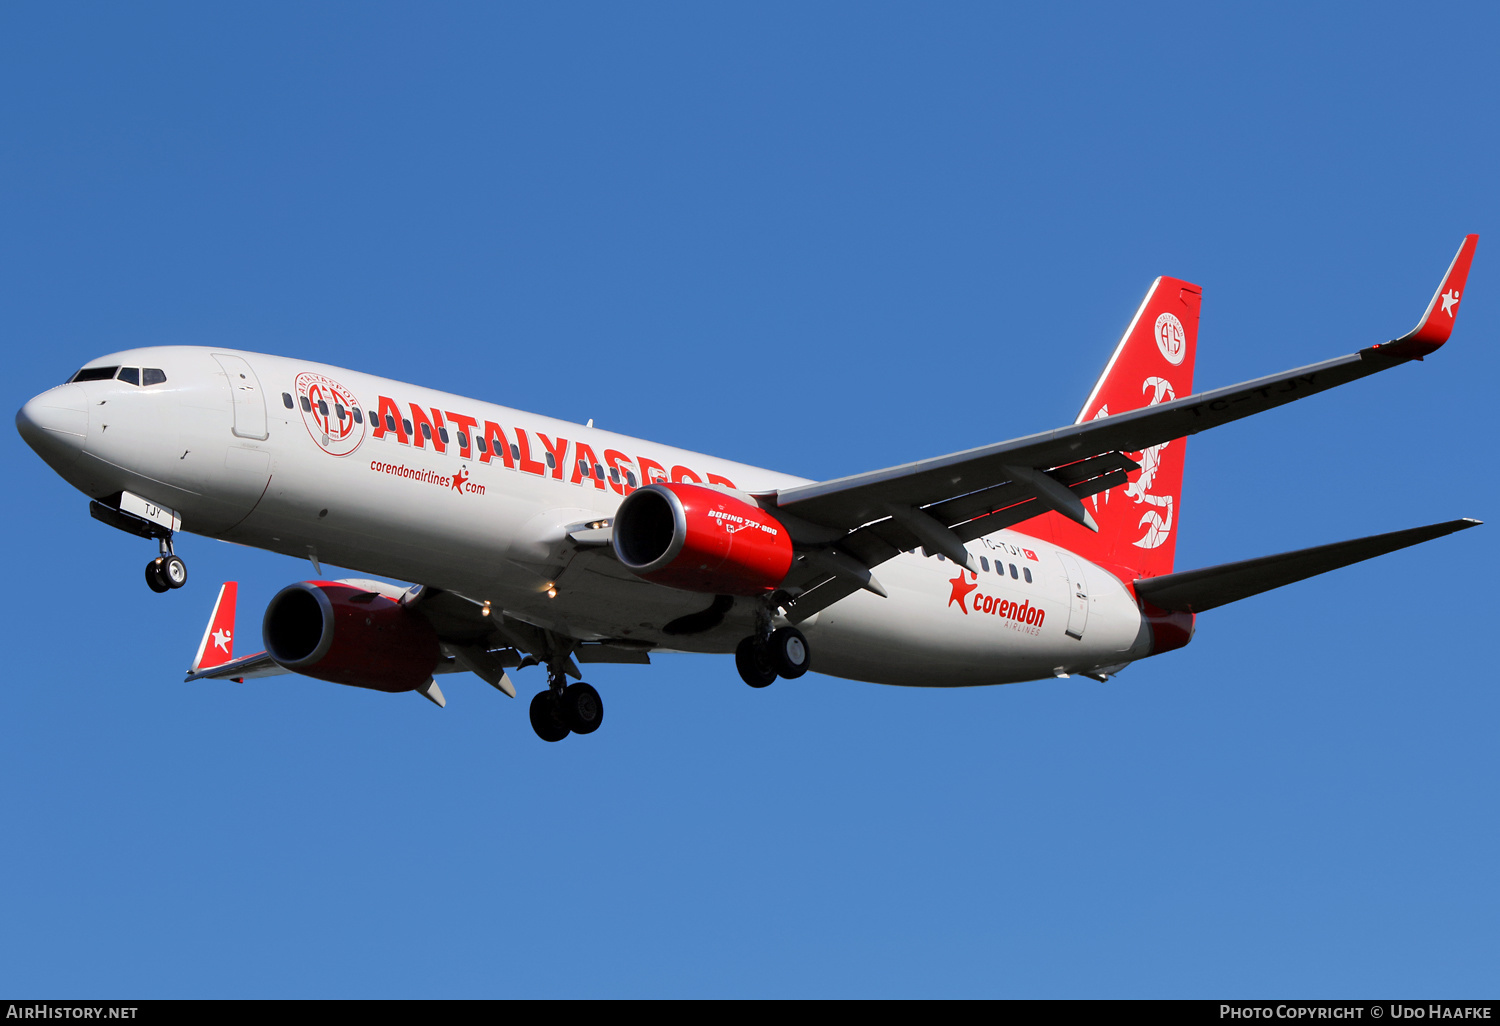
x=700, y=539
x=333, y=632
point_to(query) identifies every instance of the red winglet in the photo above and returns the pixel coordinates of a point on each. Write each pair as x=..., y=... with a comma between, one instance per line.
x=217, y=646
x=1437, y=323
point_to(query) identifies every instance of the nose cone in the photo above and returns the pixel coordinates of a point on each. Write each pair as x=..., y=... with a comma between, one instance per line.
x=56, y=424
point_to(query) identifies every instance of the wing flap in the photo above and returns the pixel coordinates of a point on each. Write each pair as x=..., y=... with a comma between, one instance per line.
x=1194, y=591
x=970, y=516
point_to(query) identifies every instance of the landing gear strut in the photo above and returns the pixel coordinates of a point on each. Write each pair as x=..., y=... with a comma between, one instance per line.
x=166, y=571
x=779, y=653
x=564, y=708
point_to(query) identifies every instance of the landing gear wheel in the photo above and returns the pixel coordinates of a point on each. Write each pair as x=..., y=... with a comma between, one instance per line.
x=155, y=580
x=788, y=652
x=174, y=572
x=544, y=717
x=581, y=708
x=754, y=663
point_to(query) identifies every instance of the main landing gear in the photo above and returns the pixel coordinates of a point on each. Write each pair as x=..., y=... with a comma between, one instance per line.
x=564, y=708
x=166, y=571
x=781, y=653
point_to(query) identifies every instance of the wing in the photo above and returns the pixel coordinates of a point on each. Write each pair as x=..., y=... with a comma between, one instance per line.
x=241, y=669
x=473, y=638
x=850, y=525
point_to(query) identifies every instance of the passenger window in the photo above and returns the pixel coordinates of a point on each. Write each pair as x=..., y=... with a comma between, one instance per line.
x=443, y=434
x=406, y=426
x=614, y=474
x=338, y=410
x=551, y=463
x=306, y=404
x=153, y=376
x=940, y=558
x=130, y=375
x=599, y=471
x=390, y=422
x=630, y=478
x=479, y=441
x=286, y=400
x=96, y=373
x=515, y=451
x=323, y=408
x=1027, y=571
x=359, y=418
x=1013, y=574
x=463, y=440
x=427, y=432
x=984, y=563
x=583, y=468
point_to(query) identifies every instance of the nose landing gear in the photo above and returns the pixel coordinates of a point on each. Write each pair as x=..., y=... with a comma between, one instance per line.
x=147, y=520
x=166, y=571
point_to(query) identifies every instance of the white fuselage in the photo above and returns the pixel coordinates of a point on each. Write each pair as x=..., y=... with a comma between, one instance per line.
x=217, y=443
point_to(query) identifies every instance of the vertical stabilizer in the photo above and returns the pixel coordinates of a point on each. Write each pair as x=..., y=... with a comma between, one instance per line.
x=1152, y=364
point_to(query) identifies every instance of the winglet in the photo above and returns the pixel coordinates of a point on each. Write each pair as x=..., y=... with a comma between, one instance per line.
x=1437, y=322
x=217, y=646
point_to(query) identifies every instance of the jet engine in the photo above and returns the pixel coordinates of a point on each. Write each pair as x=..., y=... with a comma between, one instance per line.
x=342, y=634
x=701, y=539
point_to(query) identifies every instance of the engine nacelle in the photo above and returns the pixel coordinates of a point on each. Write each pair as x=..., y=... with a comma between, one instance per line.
x=700, y=539
x=342, y=634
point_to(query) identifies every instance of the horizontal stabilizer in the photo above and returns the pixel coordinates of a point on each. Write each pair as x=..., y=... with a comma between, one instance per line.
x=1193, y=591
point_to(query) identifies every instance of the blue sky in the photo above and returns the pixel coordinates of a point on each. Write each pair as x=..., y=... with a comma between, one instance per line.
x=823, y=239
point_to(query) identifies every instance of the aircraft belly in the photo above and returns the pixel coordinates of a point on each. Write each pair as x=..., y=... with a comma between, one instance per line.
x=944, y=628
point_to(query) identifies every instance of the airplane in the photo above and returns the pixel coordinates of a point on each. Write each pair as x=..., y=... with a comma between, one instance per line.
x=536, y=541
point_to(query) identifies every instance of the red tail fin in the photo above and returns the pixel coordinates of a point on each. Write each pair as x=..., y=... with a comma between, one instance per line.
x=1152, y=364
x=217, y=646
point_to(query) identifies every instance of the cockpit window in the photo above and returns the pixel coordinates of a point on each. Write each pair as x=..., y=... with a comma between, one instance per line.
x=96, y=373
x=132, y=375
x=153, y=376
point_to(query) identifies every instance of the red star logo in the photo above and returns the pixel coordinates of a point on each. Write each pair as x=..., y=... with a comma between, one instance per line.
x=459, y=479
x=961, y=589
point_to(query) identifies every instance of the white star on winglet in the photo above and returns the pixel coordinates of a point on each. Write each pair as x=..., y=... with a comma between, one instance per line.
x=221, y=639
x=1450, y=300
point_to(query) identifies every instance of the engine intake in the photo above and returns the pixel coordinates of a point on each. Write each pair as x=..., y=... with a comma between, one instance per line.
x=337, y=633
x=700, y=539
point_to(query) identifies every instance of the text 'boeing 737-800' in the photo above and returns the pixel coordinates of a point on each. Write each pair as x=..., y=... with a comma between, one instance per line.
x=541, y=542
